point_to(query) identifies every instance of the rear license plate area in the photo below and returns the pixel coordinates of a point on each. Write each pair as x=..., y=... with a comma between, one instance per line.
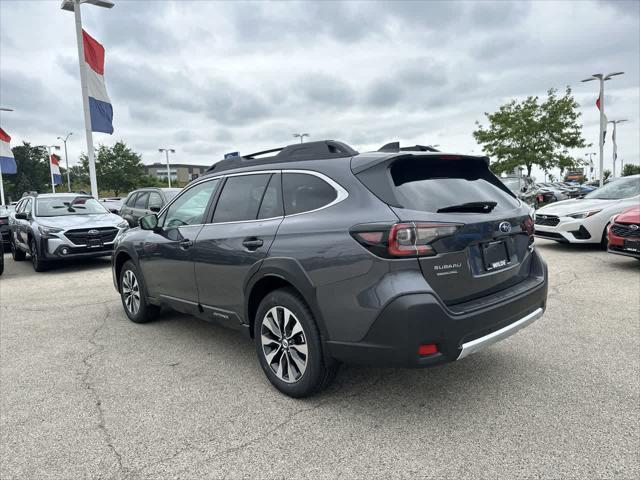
x=94, y=243
x=632, y=245
x=495, y=255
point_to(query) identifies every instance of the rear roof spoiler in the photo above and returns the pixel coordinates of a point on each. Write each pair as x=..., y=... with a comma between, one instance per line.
x=366, y=161
x=394, y=147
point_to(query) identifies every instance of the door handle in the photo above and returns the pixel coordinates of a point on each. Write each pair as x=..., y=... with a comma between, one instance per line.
x=184, y=244
x=252, y=243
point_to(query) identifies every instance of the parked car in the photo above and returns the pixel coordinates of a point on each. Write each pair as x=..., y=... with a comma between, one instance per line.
x=551, y=193
x=322, y=255
x=584, y=220
x=145, y=201
x=5, y=211
x=113, y=204
x=624, y=233
x=524, y=188
x=61, y=226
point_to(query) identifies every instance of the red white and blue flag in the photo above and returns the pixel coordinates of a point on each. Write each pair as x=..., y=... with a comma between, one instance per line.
x=7, y=162
x=55, y=169
x=606, y=121
x=99, y=102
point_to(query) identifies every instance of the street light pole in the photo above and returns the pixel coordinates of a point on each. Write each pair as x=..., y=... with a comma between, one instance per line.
x=615, y=145
x=166, y=151
x=66, y=159
x=602, y=78
x=301, y=136
x=74, y=6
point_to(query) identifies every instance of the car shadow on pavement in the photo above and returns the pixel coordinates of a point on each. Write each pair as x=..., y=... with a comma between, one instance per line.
x=480, y=376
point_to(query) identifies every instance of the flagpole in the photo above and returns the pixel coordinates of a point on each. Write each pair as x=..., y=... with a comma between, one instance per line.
x=4, y=109
x=1, y=186
x=85, y=101
x=615, y=148
x=53, y=183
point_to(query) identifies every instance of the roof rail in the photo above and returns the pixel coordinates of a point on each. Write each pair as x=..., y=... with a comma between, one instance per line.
x=394, y=147
x=320, y=150
x=32, y=193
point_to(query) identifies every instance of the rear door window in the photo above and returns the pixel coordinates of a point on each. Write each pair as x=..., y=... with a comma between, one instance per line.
x=430, y=185
x=304, y=192
x=271, y=205
x=241, y=198
x=155, y=200
x=131, y=201
x=141, y=201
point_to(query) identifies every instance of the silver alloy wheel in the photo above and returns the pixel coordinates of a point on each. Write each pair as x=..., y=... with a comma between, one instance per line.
x=284, y=344
x=131, y=292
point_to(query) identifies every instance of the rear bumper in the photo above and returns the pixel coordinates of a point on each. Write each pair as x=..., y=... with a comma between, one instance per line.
x=621, y=251
x=416, y=319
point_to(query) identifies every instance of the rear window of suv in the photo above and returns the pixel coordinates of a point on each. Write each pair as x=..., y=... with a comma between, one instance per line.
x=432, y=184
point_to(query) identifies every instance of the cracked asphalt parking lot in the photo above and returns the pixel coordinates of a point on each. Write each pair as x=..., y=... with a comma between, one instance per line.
x=85, y=393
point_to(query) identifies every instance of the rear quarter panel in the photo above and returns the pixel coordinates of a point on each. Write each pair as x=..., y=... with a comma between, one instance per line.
x=350, y=284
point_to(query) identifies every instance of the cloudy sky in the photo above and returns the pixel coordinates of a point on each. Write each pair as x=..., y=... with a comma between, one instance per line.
x=210, y=77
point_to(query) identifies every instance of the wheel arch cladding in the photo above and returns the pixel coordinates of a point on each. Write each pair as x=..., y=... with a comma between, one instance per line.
x=121, y=259
x=275, y=274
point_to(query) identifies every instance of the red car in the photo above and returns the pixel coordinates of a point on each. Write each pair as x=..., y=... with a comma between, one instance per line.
x=624, y=233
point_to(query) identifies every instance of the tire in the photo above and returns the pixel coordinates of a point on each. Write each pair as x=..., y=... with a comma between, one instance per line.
x=133, y=295
x=282, y=357
x=39, y=265
x=17, y=254
x=604, y=241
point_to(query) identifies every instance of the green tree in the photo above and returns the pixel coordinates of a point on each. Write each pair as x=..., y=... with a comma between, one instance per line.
x=531, y=132
x=118, y=169
x=33, y=172
x=630, y=169
x=606, y=174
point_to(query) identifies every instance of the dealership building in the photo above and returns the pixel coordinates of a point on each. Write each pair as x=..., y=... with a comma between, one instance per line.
x=181, y=173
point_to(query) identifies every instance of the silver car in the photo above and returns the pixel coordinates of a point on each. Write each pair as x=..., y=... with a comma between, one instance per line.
x=53, y=227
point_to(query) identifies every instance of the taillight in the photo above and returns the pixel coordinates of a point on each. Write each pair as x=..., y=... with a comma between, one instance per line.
x=402, y=239
x=527, y=226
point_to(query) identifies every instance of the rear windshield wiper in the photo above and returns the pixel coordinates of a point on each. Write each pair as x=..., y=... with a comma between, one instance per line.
x=471, y=207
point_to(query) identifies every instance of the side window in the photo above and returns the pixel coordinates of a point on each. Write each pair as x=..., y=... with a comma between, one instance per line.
x=190, y=207
x=20, y=206
x=241, y=197
x=131, y=201
x=271, y=205
x=155, y=200
x=304, y=192
x=28, y=206
x=141, y=201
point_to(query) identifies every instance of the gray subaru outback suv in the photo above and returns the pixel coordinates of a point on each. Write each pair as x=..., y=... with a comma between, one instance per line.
x=403, y=257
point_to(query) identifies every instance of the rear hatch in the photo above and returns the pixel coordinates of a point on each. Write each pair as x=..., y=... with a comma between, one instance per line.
x=476, y=234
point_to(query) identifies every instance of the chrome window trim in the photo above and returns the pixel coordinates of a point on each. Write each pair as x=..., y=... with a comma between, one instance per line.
x=341, y=194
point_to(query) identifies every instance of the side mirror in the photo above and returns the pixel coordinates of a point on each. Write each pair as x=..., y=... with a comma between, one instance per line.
x=154, y=209
x=22, y=216
x=149, y=222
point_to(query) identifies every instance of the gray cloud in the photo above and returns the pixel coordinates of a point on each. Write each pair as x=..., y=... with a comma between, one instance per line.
x=210, y=77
